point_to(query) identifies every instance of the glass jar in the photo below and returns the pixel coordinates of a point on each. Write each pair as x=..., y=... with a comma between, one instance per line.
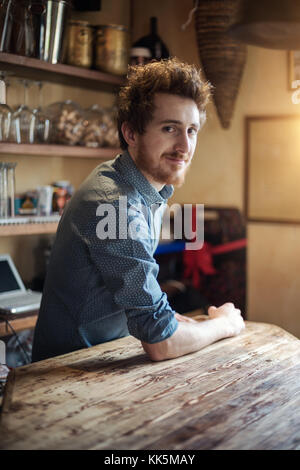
x=140, y=56
x=111, y=130
x=5, y=120
x=95, y=129
x=67, y=122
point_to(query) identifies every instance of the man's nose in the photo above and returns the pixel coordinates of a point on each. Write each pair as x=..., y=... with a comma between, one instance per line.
x=183, y=143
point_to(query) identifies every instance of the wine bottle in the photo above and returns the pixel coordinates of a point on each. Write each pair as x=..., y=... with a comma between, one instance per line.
x=153, y=42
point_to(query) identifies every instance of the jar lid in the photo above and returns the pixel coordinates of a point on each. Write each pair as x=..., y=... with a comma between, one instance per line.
x=140, y=52
x=79, y=23
x=113, y=26
x=69, y=3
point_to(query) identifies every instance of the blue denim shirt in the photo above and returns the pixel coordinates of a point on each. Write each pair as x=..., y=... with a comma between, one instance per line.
x=101, y=280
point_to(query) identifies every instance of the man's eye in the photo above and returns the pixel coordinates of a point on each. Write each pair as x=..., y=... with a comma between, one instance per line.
x=193, y=131
x=168, y=129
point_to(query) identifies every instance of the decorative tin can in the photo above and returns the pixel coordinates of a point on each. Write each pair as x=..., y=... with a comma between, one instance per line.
x=80, y=44
x=112, y=48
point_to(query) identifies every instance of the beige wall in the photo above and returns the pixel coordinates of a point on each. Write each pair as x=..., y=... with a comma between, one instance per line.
x=217, y=175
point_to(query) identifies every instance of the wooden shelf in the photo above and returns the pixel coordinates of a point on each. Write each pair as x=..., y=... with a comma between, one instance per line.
x=58, y=150
x=18, y=322
x=35, y=69
x=28, y=229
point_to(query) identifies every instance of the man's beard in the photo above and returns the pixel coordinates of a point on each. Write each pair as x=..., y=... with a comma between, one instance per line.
x=159, y=174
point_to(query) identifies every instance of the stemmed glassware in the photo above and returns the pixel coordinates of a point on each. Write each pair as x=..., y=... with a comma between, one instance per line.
x=41, y=122
x=5, y=111
x=23, y=130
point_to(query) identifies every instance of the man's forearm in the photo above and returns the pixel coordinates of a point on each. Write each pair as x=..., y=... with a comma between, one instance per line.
x=189, y=337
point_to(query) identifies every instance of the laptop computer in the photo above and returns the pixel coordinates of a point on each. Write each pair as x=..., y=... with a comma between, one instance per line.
x=14, y=297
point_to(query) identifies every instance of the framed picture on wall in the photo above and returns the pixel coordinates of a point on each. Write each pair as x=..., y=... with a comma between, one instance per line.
x=293, y=69
x=272, y=169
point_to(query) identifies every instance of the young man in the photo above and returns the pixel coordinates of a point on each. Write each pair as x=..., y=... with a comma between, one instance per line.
x=102, y=278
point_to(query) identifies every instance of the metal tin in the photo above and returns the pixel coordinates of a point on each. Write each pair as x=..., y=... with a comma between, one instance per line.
x=52, y=27
x=80, y=44
x=112, y=49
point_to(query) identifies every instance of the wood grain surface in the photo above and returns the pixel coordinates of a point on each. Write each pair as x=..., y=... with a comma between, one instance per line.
x=239, y=393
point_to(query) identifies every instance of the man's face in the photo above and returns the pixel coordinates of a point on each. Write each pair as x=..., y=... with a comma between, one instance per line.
x=165, y=151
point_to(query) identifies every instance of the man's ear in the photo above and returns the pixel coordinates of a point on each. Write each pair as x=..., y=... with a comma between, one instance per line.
x=129, y=134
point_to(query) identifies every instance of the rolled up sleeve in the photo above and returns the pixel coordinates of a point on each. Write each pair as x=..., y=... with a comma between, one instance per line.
x=130, y=272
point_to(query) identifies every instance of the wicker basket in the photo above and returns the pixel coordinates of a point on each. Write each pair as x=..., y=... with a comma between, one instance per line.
x=223, y=58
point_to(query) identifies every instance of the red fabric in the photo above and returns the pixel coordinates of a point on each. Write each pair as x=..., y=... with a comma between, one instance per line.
x=200, y=262
x=230, y=246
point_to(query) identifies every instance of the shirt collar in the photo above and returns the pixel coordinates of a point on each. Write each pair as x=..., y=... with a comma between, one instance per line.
x=130, y=172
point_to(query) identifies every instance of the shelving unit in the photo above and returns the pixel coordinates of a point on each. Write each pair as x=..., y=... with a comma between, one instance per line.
x=29, y=225
x=18, y=322
x=28, y=229
x=58, y=150
x=36, y=69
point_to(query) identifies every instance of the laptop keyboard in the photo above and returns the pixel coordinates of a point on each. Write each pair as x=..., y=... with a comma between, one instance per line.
x=20, y=301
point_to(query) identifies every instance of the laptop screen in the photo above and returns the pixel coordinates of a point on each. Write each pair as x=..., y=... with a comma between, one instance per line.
x=8, y=281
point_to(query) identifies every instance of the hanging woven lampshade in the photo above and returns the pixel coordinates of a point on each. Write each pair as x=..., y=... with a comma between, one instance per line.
x=273, y=24
x=223, y=58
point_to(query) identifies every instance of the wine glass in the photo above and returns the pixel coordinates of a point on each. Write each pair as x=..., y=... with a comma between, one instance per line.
x=5, y=111
x=22, y=123
x=42, y=122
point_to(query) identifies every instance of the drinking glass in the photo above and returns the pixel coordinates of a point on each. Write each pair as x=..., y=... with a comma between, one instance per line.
x=3, y=191
x=23, y=39
x=5, y=120
x=42, y=122
x=23, y=123
x=5, y=111
x=6, y=24
x=7, y=189
x=11, y=187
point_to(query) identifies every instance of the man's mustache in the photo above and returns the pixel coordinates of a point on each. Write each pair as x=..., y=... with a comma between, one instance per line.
x=177, y=156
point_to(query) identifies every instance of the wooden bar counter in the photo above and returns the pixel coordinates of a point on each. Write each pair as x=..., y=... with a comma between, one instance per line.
x=239, y=393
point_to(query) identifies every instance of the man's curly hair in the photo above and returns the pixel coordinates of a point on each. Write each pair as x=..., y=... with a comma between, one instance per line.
x=136, y=98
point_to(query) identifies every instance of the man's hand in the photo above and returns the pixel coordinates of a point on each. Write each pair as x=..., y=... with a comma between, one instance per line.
x=191, y=335
x=230, y=317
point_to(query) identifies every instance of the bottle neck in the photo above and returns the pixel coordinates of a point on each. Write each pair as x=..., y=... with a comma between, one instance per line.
x=153, y=26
